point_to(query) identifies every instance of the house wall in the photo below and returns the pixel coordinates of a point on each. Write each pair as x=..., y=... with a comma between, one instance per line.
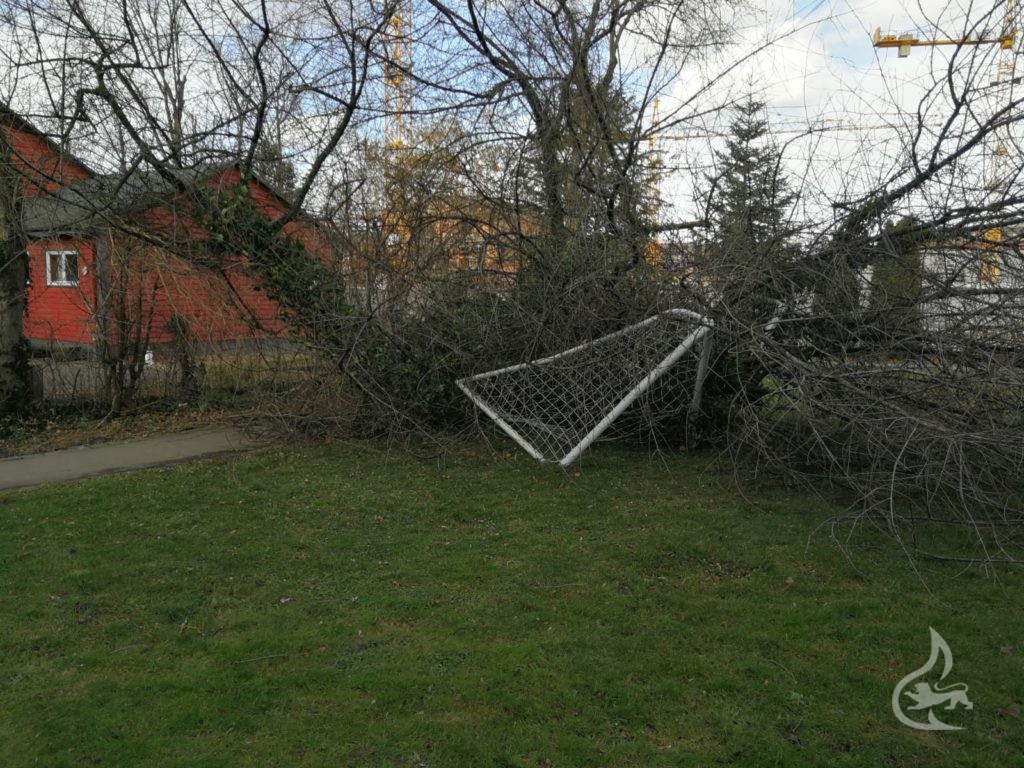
x=154, y=285
x=39, y=161
x=56, y=312
x=977, y=305
x=53, y=313
x=215, y=307
x=217, y=304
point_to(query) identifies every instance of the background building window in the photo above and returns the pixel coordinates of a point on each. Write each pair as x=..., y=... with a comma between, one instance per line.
x=62, y=268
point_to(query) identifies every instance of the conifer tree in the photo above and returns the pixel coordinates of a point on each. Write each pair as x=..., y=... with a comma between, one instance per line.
x=750, y=262
x=751, y=201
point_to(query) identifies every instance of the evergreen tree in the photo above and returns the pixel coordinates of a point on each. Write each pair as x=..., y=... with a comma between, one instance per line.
x=751, y=200
x=750, y=261
x=895, y=289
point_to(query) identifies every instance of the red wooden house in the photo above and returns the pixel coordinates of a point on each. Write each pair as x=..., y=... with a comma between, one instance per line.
x=84, y=269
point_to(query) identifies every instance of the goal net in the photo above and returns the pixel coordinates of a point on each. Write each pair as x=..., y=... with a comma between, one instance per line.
x=557, y=406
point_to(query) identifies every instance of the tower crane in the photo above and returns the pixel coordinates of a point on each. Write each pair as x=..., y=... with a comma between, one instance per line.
x=652, y=250
x=397, y=85
x=905, y=42
x=397, y=102
x=999, y=140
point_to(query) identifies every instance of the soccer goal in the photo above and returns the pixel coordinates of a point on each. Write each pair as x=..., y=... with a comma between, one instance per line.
x=557, y=406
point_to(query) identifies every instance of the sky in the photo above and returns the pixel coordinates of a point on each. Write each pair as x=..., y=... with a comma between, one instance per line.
x=839, y=109
x=821, y=70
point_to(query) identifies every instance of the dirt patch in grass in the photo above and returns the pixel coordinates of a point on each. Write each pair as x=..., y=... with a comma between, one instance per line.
x=68, y=431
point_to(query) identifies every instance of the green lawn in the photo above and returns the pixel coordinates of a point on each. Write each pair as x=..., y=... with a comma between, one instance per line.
x=333, y=607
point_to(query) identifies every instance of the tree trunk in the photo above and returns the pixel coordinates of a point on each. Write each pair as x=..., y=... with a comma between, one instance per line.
x=14, y=383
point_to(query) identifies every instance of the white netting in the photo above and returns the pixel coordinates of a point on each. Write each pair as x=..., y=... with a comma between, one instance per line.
x=557, y=406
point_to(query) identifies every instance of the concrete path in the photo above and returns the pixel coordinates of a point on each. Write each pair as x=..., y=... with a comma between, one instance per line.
x=106, y=458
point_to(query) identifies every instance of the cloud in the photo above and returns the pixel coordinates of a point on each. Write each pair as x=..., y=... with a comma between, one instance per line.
x=813, y=63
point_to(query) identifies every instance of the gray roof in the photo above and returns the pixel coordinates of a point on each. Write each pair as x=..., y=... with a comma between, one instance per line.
x=87, y=205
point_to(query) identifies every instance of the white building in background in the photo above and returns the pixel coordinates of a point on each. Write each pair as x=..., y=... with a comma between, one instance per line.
x=977, y=288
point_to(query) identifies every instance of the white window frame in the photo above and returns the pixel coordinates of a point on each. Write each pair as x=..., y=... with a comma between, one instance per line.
x=62, y=255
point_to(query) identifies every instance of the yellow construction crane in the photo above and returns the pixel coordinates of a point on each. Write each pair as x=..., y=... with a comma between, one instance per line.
x=905, y=42
x=1000, y=140
x=653, y=250
x=397, y=102
x=397, y=85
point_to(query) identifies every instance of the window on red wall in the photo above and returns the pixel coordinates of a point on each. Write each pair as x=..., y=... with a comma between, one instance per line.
x=62, y=268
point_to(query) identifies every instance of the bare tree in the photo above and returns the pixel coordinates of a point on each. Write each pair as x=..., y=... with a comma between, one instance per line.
x=147, y=89
x=879, y=345
x=559, y=72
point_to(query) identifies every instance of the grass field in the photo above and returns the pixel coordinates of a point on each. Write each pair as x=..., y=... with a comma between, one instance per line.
x=336, y=607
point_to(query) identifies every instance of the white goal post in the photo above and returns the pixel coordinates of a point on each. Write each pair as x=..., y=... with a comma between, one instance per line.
x=557, y=406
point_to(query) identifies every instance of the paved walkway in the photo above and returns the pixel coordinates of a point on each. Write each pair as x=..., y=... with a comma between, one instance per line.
x=106, y=458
